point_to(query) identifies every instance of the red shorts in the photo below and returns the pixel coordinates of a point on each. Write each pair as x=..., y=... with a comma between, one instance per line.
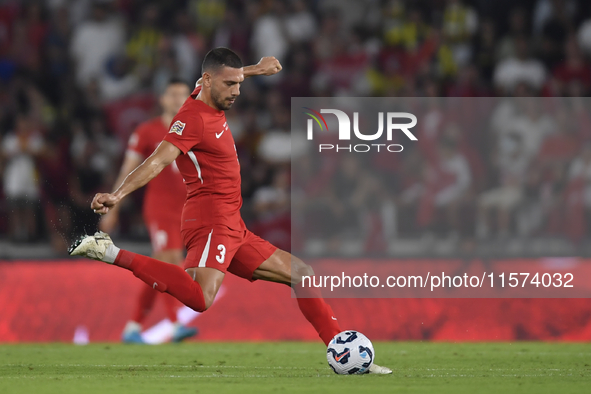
x=165, y=234
x=239, y=252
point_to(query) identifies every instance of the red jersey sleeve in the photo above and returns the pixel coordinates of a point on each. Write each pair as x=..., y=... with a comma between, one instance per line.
x=185, y=131
x=138, y=142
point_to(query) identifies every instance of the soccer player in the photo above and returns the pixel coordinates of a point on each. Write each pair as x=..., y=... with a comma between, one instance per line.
x=214, y=234
x=165, y=190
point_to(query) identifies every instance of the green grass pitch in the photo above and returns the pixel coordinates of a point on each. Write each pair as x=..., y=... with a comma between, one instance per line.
x=292, y=367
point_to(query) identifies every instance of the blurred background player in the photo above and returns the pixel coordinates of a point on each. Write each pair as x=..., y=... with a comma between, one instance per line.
x=162, y=209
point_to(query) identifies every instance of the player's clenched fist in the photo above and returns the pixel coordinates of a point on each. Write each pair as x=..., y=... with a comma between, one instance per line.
x=102, y=202
x=269, y=65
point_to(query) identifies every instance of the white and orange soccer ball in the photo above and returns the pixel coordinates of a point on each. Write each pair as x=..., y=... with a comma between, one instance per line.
x=350, y=352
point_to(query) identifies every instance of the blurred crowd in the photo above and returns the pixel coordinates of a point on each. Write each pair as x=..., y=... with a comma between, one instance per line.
x=483, y=169
x=77, y=76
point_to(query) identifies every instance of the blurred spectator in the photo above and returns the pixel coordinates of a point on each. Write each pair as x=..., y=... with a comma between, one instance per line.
x=555, y=30
x=546, y=12
x=484, y=58
x=345, y=71
x=57, y=41
x=437, y=188
x=410, y=46
x=272, y=201
x=94, y=41
x=521, y=68
x=20, y=149
x=578, y=195
x=512, y=164
x=275, y=145
x=562, y=145
x=348, y=201
x=573, y=70
x=188, y=45
x=300, y=24
x=454, y=180
x=208, y=14
x=531, y=124
x=28, y=36
x=460, y=23
x=517, y=28
x=94, y=156
x=580, y=170
x=271, y=205
x=330, y=33
x=142, y=45
x=54, y=166
x=268, y=33
x=584, y=36
x=118, y=80
x=234, y=32
x=8, y=14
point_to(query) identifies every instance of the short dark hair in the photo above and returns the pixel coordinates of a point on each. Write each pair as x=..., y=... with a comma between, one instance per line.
x=177, y=80
x=220, y=57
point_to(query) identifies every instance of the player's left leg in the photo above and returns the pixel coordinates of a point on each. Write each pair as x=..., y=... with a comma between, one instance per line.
x=283, y=267
x=258, y=259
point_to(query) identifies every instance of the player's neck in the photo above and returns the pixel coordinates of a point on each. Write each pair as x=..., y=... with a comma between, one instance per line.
x=206, y=98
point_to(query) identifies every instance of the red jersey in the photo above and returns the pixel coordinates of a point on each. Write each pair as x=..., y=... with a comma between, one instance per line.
x=165, y=194
x=209, y=165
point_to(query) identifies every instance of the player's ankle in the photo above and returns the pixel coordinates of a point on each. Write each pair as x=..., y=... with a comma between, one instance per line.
x=111, y=254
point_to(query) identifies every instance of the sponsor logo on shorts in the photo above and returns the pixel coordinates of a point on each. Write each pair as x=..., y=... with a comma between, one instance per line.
x=177, y=127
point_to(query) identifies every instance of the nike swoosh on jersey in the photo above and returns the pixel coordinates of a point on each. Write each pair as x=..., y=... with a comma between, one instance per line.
x=220, y=134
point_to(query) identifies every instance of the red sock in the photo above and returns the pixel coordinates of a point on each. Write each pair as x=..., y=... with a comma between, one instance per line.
x=170, y=304
x=145, y=302
x=164, y=277
x=317, y=312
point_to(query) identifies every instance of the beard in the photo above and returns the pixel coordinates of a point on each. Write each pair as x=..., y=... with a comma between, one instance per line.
x=220, y=103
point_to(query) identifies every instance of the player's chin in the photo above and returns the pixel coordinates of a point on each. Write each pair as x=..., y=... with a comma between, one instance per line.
x=228, y=104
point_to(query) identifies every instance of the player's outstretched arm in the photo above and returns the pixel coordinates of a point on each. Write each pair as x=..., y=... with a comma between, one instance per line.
x=164, y=154
x=266, y=66
x=130, y=162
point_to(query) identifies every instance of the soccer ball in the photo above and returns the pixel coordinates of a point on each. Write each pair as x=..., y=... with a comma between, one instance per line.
x=350, y=352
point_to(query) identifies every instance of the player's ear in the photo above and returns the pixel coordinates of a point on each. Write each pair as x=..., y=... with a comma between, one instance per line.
x=206, y=79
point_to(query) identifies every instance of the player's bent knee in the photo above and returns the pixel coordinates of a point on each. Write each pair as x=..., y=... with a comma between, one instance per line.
x=208, y=299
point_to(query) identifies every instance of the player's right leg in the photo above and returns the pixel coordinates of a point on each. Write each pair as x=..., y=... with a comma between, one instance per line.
x=180, y=331
x=159, y=275
x=167, y=246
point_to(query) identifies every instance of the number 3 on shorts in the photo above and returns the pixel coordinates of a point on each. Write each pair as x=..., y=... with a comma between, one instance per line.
x=222, y=255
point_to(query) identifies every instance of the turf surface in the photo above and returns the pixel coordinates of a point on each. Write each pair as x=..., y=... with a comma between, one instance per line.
x=286, y=367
